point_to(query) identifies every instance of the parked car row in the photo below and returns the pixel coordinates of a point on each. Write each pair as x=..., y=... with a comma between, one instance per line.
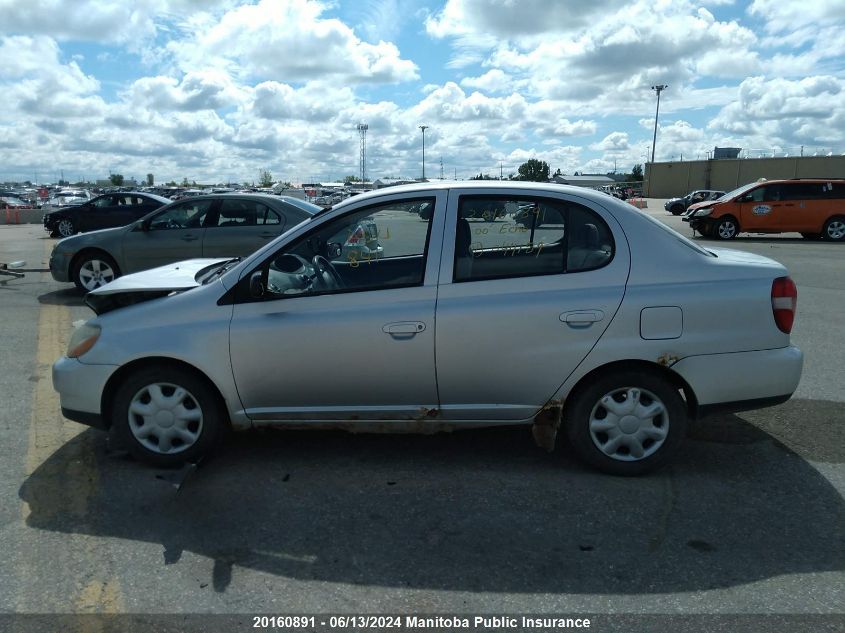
x=605, y=323
x=222, y=225
x=815, y=208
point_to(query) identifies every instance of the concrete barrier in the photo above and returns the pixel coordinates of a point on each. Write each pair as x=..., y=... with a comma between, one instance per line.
x=21, y=216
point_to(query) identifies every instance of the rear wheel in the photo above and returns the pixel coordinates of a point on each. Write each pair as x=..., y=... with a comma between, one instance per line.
x=626, y=422
x=93, y=270
x=834, y=229
x=167, y=416
x=726, y=228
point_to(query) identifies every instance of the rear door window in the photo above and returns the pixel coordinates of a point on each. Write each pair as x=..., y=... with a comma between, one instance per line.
x=509, y=236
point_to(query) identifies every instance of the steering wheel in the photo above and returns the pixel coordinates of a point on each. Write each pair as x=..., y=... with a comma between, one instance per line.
x=324, y=267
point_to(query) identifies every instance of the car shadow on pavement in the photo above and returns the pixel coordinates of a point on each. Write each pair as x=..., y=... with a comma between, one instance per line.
x=482, y=511
x=64, y=297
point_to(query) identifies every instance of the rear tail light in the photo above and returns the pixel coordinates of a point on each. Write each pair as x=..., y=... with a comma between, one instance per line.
x=784, y=302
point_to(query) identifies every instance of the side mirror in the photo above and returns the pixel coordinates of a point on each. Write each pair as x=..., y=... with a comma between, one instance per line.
x=144, y=225
x=333, y=250
x=256, y=285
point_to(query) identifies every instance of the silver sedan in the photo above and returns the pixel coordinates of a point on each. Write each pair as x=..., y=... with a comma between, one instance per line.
x=581, y=318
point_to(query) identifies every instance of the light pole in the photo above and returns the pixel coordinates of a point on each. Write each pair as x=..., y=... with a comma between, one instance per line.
x=423, y=128
x=659, y=88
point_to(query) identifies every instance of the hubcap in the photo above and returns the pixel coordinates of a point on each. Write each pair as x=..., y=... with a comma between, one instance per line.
x=836, y=230
x=727, y=230
x=95, y=273
x=629, y=424
x=65, y=228
x=165, y=418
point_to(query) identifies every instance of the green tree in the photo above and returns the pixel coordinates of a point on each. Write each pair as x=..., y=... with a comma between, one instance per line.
x=265, y=178
x=349, y=179
x=185, y=182
x=637, y=172
x=534, y=170
x=150, y=180
x=116, y=180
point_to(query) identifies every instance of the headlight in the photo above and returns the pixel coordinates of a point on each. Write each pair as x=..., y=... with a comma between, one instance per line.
x=82, y=340
x=703, y=213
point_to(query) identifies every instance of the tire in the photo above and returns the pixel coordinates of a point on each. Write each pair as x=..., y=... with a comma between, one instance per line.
x=811, y=236
x=65, y=227
x=676, y=209
x=834, y=229
x=94, y=269
x=183, y=420
x=726, y=228
x=54, y=234
x=655, y=427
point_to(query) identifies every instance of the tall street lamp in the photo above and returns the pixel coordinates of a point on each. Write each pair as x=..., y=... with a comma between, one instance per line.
x=659, y=88
x=423, y=128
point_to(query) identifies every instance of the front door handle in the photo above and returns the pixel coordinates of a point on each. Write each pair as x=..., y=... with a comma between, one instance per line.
x=404, y=328
x=189, y=238
x=581, y=318
x=267, y=236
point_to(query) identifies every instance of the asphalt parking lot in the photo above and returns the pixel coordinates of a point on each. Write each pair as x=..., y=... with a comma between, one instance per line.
x=750, y=518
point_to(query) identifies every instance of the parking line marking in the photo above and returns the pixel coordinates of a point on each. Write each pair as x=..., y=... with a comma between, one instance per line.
x=64, y=488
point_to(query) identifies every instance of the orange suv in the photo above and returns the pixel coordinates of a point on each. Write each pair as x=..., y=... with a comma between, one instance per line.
x=815, y=208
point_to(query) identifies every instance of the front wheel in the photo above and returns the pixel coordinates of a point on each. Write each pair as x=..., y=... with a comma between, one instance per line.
x=834, y=229
x=94, y=270
x=626, y=422
x=167, y=416
x=66, y=227
x=726, y=228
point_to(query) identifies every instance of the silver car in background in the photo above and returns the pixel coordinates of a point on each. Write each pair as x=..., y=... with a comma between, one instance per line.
x=604, y=329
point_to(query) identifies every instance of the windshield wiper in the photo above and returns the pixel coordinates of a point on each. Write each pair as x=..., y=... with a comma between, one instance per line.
x=222, y=268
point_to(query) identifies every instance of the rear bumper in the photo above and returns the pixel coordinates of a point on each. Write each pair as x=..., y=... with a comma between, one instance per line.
x=742, y=380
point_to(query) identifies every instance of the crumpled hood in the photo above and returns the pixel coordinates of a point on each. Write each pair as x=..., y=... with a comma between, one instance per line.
x=149, y=284
x=703, y=205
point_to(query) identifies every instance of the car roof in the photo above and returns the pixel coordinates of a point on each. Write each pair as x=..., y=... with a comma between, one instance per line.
x=143, y=194
x=289, y=201
x=528, y=186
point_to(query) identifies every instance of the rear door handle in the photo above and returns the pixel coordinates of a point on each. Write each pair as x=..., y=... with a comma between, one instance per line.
x=404, y=328
x=581, y=318
x=189, y=238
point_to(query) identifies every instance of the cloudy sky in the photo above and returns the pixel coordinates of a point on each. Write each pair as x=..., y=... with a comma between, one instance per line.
x=216, y=90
